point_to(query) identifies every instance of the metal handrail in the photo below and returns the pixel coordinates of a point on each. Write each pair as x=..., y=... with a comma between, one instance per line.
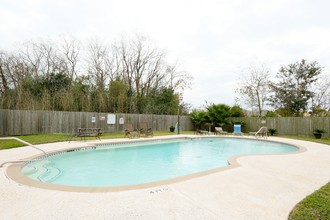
x=24, y=142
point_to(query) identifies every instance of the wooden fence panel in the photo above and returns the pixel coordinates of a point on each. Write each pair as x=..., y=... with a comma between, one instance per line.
x=3, y=123
x=301, y=126
x=24, y=122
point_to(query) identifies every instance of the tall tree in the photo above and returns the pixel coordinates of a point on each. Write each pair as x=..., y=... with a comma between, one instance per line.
x=4, y=84
x=253, y=89
x=142, y=65
x=321, y=99
x=177, y=80
x=69, y=52
x=118, y=96
x=100, y=71
x=293, y=89
x=14, y=73
x=130, y=77
x=166, y=102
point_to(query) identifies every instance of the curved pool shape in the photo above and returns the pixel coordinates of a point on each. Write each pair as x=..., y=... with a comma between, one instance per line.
x=143, y=162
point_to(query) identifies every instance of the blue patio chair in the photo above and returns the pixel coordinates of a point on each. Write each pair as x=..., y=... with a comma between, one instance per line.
x=237, y=130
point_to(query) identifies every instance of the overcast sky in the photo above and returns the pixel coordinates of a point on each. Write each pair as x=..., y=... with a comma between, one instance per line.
x=215, y=41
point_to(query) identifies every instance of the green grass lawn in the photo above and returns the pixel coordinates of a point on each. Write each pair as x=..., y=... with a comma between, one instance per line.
x=323, y=140
x=33, y=139
x=50, y=138
x=314, y=206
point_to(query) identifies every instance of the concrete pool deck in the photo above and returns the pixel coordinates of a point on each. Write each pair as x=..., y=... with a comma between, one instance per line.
x=262, y=187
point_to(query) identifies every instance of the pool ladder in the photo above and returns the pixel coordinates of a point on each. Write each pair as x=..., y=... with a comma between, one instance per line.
x=24, y=142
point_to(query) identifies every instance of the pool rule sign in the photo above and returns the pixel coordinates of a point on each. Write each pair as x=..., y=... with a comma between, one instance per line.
x=93, y=121
x=121, y=121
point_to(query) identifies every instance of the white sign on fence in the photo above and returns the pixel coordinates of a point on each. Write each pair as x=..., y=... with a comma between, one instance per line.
x=121, y=121
x=111, y=119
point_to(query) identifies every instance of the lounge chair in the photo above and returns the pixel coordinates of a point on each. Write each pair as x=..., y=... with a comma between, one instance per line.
x=145, y=131
x=262, y=131
x=130, y=132
x=199, y=131
x=220, y=131
x=237, y=130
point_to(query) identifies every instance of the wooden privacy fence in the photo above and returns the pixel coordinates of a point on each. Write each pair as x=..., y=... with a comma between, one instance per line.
x=24, y=122
x=301, y=126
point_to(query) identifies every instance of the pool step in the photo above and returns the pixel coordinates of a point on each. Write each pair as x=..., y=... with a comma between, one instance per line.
x=42, y=171
x=50, y=174
x=33, y=170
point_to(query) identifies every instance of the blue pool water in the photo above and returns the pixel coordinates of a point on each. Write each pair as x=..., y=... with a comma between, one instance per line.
x=144, y=162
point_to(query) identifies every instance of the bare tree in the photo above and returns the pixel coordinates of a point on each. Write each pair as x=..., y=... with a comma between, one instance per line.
x=321, y=98
x=253, y=89
x=100, y=71
x=130, y=76
x=31, y=55
x=178, y=80
x=142, y=66
x=70, y=49
x=13, y=75
x=100, y=64
x=49, y=72
x=4, y=84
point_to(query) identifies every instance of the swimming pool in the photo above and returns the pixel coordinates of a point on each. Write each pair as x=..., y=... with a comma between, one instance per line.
x=111, y=165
